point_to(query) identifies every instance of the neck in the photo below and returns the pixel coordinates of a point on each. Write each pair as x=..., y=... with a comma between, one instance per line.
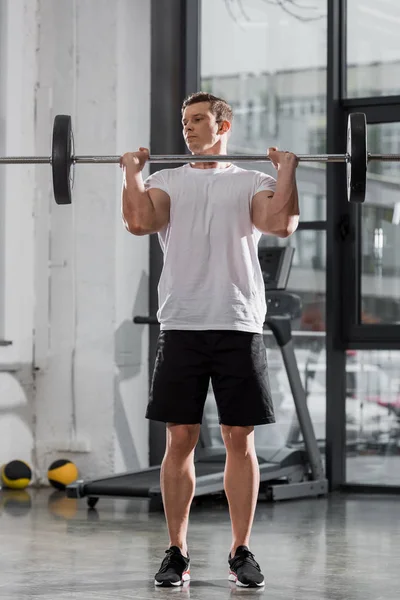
x=217, y=150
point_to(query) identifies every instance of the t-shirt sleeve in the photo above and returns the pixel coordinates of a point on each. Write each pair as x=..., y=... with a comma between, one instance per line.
x=264, y=182
x=157, y=180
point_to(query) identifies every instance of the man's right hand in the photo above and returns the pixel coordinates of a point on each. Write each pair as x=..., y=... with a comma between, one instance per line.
x=135, y=161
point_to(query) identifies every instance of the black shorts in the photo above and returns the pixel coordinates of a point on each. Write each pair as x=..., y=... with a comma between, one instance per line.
x=236, y=363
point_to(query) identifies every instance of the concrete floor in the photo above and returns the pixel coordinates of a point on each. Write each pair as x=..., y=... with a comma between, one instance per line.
x=341, y=548
x=373, y=470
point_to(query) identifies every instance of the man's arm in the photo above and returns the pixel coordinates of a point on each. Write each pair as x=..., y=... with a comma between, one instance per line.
x=143, y=212
x=278, y=213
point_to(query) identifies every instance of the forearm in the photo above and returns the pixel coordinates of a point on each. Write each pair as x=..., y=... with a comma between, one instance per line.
x=137, y=207
x=283, y=208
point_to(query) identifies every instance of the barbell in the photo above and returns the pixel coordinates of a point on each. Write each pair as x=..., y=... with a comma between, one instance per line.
x=62, y=158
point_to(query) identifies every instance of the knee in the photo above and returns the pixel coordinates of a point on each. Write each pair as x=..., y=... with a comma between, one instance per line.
x=239, y=440
x=182, y=439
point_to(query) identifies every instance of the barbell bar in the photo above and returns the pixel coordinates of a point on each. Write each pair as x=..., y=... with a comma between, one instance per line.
x=174, y=158
x=184, y=158
x=63, y=158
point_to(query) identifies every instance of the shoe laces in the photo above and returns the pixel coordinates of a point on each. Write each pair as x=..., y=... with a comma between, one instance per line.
x=173, y=559
x=243, y=557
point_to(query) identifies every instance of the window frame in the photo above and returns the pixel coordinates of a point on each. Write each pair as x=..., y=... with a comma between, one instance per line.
x=180, y=61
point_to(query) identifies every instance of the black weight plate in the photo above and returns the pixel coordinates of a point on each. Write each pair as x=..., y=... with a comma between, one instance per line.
x=357, y=150
x=62, y=151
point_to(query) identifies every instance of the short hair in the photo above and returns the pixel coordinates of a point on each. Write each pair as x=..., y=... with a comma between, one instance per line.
x=219, y=107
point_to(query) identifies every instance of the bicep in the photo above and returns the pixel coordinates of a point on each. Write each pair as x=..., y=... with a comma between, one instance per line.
x=161, y=202
x=259, y=209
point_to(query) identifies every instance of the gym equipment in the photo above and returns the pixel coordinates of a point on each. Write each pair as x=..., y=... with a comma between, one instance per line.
x=286, y=472
x=16, y=475
x=275, y=267
x=61, y=473
x=62, y=158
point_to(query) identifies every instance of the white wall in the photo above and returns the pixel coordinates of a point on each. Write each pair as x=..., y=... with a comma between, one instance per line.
x=73, y=276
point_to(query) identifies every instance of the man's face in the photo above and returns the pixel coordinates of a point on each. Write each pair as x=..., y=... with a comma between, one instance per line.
x=200, y=129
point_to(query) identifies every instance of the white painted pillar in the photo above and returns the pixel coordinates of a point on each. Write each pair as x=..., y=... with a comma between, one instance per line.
x=17, y=186
x=75, y=283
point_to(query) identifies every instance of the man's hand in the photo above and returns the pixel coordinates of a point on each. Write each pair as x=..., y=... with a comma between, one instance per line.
x=282, y=159
x=135, y=161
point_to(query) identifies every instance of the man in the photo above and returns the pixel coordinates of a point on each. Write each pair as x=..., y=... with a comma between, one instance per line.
x=209, y=218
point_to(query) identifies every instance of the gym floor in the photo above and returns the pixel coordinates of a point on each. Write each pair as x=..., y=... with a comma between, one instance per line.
x=340, y=548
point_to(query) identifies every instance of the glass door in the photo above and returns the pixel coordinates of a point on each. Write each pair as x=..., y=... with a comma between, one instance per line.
x=373, y=376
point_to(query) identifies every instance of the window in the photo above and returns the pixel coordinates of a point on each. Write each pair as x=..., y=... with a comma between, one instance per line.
x=380, y=236
x=279, y=99
x=373, y=417
x=373, y=50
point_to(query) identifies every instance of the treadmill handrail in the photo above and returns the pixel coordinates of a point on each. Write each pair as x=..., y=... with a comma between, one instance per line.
x=303, y=414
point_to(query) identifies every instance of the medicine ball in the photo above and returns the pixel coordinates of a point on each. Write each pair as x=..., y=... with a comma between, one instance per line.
x=16, y=475
x=61, y=473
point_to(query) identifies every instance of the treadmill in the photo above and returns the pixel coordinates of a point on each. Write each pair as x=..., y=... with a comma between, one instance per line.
x=286, y=472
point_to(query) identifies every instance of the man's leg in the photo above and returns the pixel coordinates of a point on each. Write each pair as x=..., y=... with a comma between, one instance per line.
x=243, y=396
x=178, y=480
x=242, y=481
x=177, y=395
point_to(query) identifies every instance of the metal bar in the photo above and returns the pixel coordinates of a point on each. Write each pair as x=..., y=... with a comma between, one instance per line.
x=312, y=226
x=184, y=158
x=169, y=67
x=24, y=160
x=373, y=336
x=146, y=320
x=304, y=489
x=303, y=415
x=337, y=205
x=190, y=32
x=358, y=104
x=384, y=157
x=370, y=488
x=384, y=113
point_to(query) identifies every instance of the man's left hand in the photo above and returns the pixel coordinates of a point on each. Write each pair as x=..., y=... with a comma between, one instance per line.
x=282, y=159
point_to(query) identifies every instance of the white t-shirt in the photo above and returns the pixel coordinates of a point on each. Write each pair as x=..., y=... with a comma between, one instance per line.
x=211, y=277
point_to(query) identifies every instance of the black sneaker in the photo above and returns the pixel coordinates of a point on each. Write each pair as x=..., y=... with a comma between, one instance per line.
x=244, y=570
x=174, y=570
